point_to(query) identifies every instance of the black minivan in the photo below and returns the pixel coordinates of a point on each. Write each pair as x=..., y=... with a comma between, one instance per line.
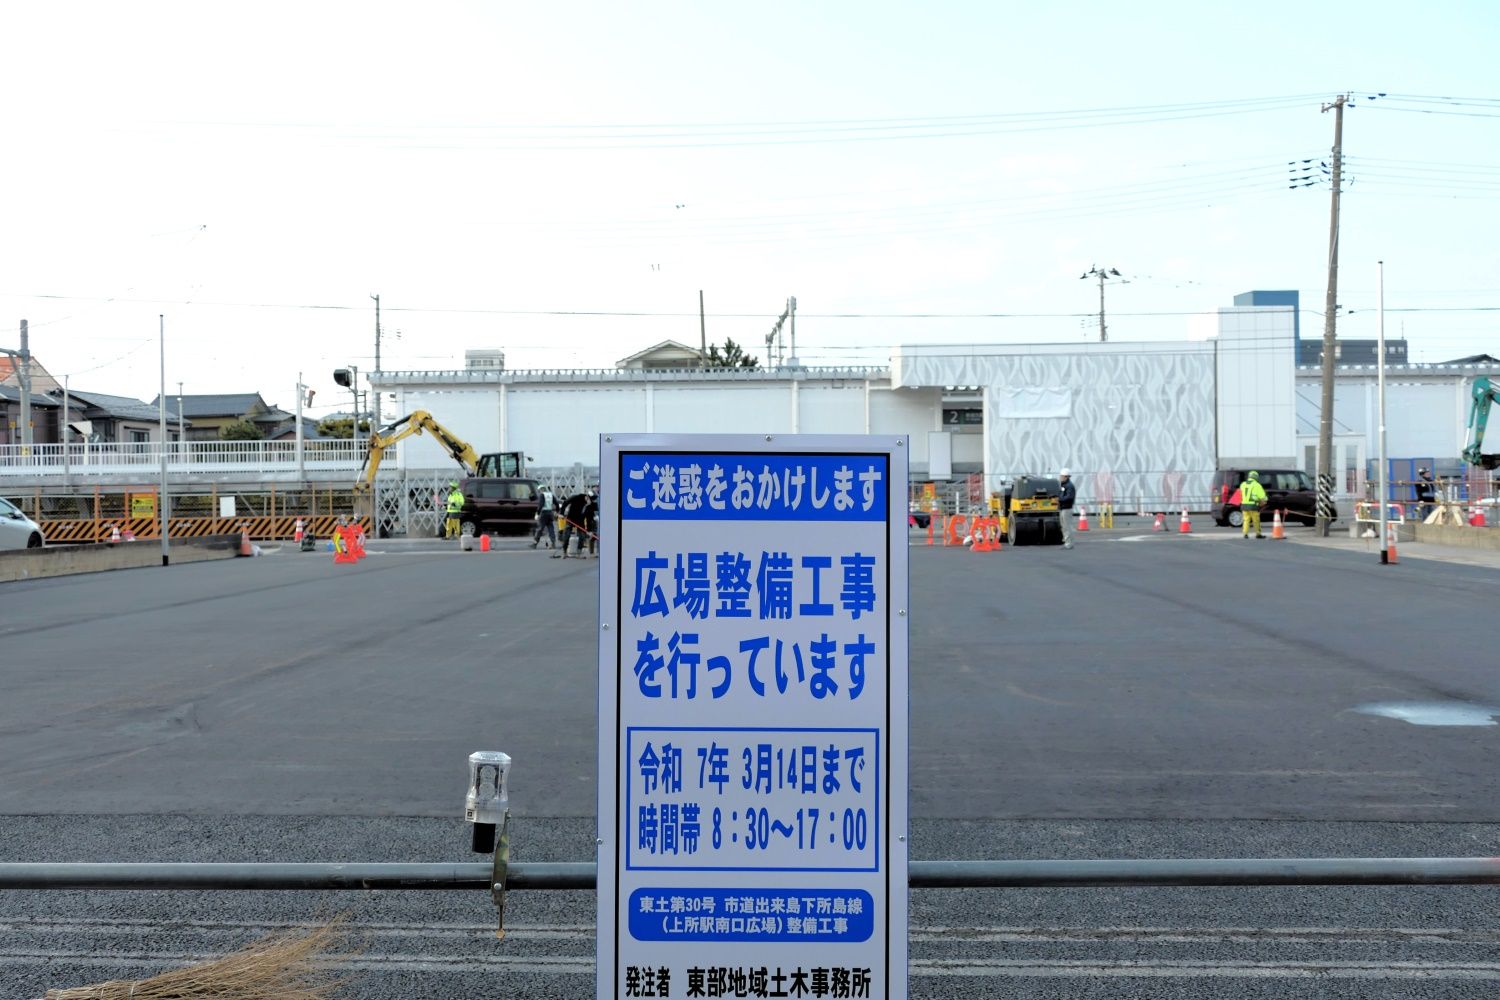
x=498, y=504
x=1289, y=490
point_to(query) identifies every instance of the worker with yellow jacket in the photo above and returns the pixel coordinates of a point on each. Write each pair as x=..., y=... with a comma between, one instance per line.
x=455, y=511
x=1252, y=499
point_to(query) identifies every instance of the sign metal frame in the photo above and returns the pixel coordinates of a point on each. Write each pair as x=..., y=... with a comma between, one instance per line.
x=789, y=715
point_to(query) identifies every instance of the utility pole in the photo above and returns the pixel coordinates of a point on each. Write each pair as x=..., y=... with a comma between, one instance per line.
x=791, y=312
x=23, y=376
x=1330, y=329
x=1101, y=273
x=375, y=411
x=181, y=424
x=702, y=327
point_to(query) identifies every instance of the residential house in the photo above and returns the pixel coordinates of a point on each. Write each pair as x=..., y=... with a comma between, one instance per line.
x=667, y=354
x=44, y=417
x=99, y=417
x=286, y=430
x=41, y=379
x=211, y=413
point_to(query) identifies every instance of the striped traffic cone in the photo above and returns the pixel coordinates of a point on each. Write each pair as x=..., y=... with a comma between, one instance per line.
x=1185, y=526
x=1277, y=529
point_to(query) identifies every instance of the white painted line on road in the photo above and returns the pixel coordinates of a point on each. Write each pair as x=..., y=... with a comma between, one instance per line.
x=1077, y=969
x=583, y=965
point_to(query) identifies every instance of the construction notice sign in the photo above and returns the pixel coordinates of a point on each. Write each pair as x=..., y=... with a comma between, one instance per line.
x=143, y=505
x=752, y=716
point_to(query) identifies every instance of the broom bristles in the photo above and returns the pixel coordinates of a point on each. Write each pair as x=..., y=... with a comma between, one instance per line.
x=289, y=966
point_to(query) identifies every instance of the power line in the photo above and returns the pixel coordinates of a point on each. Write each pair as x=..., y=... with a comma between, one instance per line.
x=647, y=314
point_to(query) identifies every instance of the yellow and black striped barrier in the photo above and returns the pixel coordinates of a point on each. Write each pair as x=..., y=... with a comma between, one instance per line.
x=260, y=528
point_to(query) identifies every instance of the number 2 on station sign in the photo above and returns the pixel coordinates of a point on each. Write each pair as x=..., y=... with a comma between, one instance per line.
x=752, y=716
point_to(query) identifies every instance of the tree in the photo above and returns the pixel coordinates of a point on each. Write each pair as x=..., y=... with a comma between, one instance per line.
x=338, y=427
x=242, y=430
x=731, y=356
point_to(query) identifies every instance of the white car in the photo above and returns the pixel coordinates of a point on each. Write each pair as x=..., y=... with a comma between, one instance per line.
x=17, y=531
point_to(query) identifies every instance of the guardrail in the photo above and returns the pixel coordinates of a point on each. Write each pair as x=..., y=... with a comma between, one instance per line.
x=1042, y=874
x=183, y=457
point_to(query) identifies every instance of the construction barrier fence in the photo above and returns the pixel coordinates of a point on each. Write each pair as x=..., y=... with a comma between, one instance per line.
x=282, y=527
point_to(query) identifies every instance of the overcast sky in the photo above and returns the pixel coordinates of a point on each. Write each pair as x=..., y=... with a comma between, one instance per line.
x=560, y=180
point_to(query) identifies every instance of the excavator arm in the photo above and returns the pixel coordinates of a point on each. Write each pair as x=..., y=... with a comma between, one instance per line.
x=1484, y=393
x=414, y=423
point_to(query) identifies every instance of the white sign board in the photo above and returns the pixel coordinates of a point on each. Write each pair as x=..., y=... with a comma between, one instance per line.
x=752, y=716
x=939, y=454
x=226, y=506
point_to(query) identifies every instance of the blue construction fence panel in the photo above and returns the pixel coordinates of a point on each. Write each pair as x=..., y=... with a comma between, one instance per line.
x=1401, y=475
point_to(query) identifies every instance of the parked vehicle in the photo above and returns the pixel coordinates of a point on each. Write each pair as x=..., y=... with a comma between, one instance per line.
x=498, y=504
x=17, y=531
x=1289, y=490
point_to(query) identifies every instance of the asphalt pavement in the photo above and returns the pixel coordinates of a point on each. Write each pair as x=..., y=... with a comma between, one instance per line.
x=1142, y=695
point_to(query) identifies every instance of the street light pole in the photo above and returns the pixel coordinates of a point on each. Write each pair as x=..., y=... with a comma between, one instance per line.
x=375, y=405
x=1385, y=491
x=301, y=466
x=67, y=419
x=164, y=502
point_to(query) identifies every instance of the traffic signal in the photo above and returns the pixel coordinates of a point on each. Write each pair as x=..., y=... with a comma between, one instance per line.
x=341, y=376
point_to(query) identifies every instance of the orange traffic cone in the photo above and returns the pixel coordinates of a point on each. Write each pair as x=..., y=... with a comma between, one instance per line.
x=245, y=547
x=1160, y=523
x=484, y=543
x=1390, y=543
x=1083, y=519
x=1476, y=517
x=114, y=535
x=129, y=535
x=1185, y=527
x=297, y=535
x=1277, y=529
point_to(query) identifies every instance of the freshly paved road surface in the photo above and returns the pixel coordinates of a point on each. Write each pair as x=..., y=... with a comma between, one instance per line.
x=1140, y=696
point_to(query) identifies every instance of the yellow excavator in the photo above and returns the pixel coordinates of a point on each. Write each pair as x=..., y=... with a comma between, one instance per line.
x=499, y=463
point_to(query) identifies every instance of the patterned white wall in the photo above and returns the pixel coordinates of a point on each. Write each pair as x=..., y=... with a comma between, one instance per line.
x=1138, y=423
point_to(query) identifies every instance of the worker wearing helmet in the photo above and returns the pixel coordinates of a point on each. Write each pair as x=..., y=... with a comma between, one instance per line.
x=452, y=528
x=1066, y=494
x=1252, y=498
x=1426, y=492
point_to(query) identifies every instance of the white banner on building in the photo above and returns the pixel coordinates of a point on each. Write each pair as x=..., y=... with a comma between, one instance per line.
x=752, y=716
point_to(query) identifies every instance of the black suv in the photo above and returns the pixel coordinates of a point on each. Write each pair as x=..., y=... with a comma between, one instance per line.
x=498, y=504
x=1289, y=490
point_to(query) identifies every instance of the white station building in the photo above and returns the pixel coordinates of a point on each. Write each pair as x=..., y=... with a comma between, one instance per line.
x=1142, y=425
